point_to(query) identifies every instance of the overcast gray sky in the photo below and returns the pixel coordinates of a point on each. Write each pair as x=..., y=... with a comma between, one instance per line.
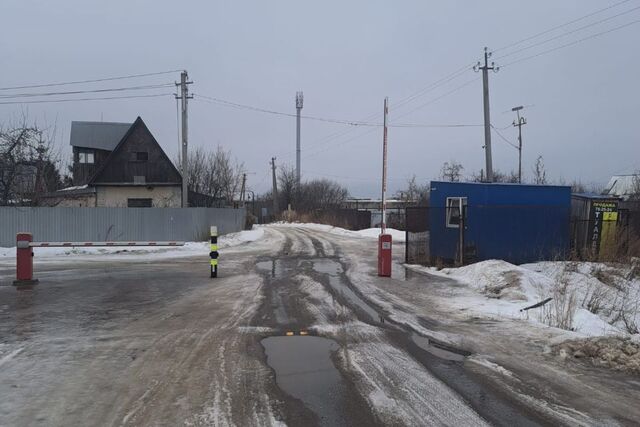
x=582, y=102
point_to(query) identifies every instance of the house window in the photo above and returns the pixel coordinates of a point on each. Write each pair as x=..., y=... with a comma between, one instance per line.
x=86, y=156
x=139, y=156
x=455, y=205
x=139, y=179
x=139, y=203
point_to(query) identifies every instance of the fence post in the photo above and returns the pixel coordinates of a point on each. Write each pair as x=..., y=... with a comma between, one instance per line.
x=461, y=235
x=214, y=251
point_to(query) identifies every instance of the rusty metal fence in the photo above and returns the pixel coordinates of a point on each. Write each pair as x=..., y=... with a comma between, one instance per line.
x=417, y=235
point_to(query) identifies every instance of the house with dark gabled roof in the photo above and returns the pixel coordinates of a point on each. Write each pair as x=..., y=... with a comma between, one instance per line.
x=119, y=165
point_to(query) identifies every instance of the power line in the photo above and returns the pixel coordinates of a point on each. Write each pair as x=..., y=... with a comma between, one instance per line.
x=568, y=33
x=336, y=121
x=400, y=104
x=431, y=87
x=329, y=146
x=572, y=43
x=439, y=97
x=85, y=99
x=561, y=25
x=76, y=92
x=280, y=113
x=503, y=138
x=131, y=76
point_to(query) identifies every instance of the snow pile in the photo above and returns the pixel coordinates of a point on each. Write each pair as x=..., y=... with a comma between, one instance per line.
x=189, y=248
x=502, y=280
x=592, y=299
x=610, y=292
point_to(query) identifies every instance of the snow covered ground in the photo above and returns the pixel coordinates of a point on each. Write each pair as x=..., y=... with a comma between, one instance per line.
x=371, y=233
x=590, y=299
x=8, y=255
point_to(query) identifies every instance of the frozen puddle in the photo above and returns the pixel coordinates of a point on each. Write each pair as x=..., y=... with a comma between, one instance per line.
x=334, y=271
x=305, y=371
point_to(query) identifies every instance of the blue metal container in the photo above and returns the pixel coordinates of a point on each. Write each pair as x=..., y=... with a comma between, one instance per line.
x=517, y=223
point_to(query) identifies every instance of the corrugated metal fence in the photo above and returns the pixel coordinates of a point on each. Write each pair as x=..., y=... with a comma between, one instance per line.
x=103, y=224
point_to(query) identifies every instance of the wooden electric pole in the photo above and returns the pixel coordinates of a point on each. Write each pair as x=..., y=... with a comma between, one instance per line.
x=519, y=123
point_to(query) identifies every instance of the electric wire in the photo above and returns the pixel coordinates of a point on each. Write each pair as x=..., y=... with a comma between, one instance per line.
x=335, y=121
x=567, y=33
x=503, y=138
x=280, y=113
x=561, y=25
x=131, y=76
x=526, y=58
x=77, y=92
x=47, y=101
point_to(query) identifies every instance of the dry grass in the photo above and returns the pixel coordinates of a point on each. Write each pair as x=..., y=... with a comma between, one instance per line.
x=561, y=311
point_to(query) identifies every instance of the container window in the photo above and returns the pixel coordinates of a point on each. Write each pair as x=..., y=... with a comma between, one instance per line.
x=455, y=205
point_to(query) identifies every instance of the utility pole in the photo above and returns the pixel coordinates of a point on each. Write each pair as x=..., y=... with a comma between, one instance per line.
x=383, y=224
x=184, y=97
x=244, y=181
x=299, y=101
x=519, y=123
x=487, y=119
x=275, y=187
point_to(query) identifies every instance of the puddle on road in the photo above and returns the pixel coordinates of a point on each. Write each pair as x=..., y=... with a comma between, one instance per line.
x=274, y=266
x=305, y=371
x=333, y=269
x=435, y=349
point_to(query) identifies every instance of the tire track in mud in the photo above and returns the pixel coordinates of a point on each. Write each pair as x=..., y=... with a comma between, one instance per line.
x=494, y=405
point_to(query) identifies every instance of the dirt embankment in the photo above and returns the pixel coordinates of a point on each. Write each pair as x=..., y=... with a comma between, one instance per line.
x=620, y=354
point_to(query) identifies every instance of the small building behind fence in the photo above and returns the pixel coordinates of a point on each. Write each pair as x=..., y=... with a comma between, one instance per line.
x=517, y=223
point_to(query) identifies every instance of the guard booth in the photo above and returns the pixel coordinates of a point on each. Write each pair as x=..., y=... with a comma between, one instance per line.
x=518, y=223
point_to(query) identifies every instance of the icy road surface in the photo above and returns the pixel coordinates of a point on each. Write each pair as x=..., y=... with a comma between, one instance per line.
x=107, y=340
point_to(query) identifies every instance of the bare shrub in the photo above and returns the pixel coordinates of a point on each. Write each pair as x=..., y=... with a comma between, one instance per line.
x=595, y=299
x=560, y=313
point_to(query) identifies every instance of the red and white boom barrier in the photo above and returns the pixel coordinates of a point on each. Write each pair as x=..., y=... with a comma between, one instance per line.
x=25, y=245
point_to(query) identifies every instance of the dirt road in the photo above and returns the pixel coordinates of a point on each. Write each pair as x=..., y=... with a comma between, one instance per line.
x=296, y=330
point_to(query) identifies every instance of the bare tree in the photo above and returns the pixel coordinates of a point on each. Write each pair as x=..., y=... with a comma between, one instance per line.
x=320, y=194
x=414, y=193
x=451, y=171
x=28, y=163
x=287, y=185
x=214, y=173
x=634, y=194
x=498, y=176
x=539, y=173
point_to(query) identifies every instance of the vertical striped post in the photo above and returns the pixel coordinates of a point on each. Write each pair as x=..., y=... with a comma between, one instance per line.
x=214, y=251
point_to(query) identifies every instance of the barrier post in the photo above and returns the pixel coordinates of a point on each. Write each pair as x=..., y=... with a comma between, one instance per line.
x=24, y=260
x=384, y=255
x=214, y=251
